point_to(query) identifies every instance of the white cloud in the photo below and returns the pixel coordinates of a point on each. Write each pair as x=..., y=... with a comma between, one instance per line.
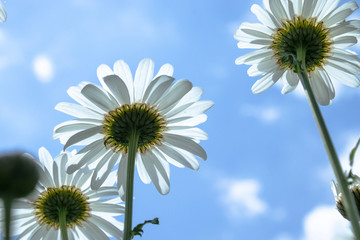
x=240, y=197
x=325, y=223
x=267, y=114
x=43, y=68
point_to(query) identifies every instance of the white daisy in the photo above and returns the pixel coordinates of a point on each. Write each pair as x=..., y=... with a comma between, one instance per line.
x=90, y=214
x=164, y=113
x=2, y=13
x=315, y=26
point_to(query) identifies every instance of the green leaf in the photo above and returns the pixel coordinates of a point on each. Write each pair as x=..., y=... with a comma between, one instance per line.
x=352, y=153
x=138, y=229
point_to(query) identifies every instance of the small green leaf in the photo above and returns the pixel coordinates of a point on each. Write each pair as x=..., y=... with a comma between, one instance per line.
x=352, y=153
x=138, y=229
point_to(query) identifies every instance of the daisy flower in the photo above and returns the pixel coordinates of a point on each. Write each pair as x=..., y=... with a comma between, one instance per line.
x=163, y=113
x=318, y=28
x=2, y=13
x=354, y=187
x=90, y=214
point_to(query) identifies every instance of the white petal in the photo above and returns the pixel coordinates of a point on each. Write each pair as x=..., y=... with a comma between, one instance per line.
x=157, y=172
x=253, y=30
x=102, y=71
x=122, y=174
x=83, y=135
x=118, y=89
x=103, y=168
x=123, y=71
x=75, y=93
x=99, y=98
x=193, y=133
x=193, y=110
x=344, y=41
x=318, y=86
x=264, y=17
x=39, y=232
x=308, y=8
x=344, y=65
x=186, y=144
x=192, y=96
x=318, y=8
x=278, y=10
x=108, y=227
x=2, y=13
x=266, y=82
x=115, y=209
x=263, y=67
x=329, y=6
x=179, y=156
x=292, y=78
x=94, y=231
x=75, y=126
x=87, y=155
x=340, y=13
x=166, y=69
x=144, y=176
x=188, y=121
x=254, y=56
x=143, y=76
x=175, y=93
x=343, y=77
x=77, y=110
x=157, y=88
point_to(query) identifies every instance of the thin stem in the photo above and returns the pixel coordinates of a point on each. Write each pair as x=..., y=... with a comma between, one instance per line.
x=62, y=220
x=349, y=202
x=7, y=213
x=129, y=191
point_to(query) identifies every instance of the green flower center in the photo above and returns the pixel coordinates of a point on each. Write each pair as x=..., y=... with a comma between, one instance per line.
x=120, y=123
x=64, y=198
x=305, y=34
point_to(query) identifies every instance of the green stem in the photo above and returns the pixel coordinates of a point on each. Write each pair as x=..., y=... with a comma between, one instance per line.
x=7, y=213
x=62, y=221
x=349, y=202
x=133, y=144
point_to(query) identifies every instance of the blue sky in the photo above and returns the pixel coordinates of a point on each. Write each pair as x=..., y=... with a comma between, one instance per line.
x=267, y=175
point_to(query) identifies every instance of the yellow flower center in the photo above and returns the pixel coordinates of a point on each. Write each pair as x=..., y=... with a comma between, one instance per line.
x=121, y=122
x=68, y=198
x=307, y=34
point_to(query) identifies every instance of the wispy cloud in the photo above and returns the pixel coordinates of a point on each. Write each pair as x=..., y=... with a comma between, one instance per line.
x=267, y=114
x=241, y=198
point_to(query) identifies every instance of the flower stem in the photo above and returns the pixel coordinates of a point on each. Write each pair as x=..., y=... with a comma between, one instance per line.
x=349, y=201
x=62, y=221
x=129, y=191
x=7, y=213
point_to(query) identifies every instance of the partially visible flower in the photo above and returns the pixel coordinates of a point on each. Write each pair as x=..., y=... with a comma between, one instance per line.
x=90, y=214
x=164, y=115
x=2, y=13
x=316, y=27
x=354, y=187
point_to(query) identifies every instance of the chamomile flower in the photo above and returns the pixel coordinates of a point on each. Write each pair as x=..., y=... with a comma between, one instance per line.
x=163, y=114
x=90, y=214
x=316, y=27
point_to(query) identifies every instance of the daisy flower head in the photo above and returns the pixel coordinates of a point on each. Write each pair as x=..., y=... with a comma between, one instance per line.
x=354, y=187
x=162, y=113
x=89, y=214
x=315, y=28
